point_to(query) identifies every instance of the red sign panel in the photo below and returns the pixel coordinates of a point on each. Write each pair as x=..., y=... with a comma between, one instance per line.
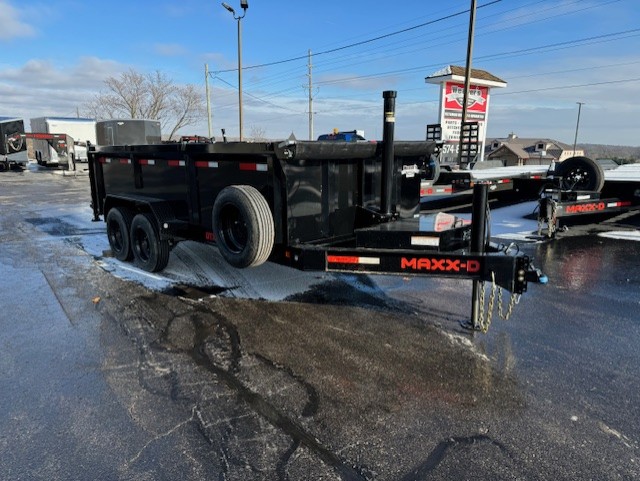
x=476, y=100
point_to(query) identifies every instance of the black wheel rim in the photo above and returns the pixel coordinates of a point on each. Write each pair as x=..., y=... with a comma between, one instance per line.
x=116, y=238
x=233, y=229
x=143, y=246
x=577, y=177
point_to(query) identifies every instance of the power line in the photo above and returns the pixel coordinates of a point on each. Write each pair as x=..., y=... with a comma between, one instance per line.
x=369, y=58
x=559, y=87
x=511, y=53
x=363, y=42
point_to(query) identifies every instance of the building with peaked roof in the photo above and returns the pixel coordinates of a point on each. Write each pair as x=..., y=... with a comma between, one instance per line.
x=514, y=150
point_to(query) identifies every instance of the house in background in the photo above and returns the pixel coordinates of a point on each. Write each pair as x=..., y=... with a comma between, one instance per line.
x=513, y=151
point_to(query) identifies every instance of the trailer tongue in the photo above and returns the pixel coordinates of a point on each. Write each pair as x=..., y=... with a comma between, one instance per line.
x=311, y=205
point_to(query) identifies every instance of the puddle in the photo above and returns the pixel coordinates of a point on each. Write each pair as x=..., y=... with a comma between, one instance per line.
x=60, y=228
x=195, y=293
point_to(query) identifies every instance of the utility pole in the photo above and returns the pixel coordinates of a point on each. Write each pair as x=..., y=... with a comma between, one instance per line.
x=467, y=73
x=310, y=98
x=206, y=85
x=575, y=139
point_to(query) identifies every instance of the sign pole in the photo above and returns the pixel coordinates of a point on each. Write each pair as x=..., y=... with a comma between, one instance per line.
x=467, y=74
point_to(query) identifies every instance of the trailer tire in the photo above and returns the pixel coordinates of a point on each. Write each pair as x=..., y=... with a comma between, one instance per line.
x=118, y=227
x=150, y=253
x=243, y=226
x=580, y=173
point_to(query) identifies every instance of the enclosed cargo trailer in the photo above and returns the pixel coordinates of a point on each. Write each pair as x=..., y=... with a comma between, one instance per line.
x=80, y=131
x=128, y=132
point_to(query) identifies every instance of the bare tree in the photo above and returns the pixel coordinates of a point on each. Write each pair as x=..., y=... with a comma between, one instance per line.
x=258, y=133
x=152, y=96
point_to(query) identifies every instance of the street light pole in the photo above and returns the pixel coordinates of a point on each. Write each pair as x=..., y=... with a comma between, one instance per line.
x=244, y=4
x=575, y=139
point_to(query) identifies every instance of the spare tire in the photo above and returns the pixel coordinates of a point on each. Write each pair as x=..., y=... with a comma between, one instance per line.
x=243, y=226
x=580, y=173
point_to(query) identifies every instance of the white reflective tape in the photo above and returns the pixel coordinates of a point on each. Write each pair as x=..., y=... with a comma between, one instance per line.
x=369, y=260
x=425, y=241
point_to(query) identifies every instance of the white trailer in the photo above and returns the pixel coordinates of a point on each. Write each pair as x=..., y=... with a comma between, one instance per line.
x=82, y=130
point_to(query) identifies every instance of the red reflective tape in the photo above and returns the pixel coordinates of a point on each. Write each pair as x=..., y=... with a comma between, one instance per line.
x=620, y=203
x=206, y=164
x=253, y=167
x=343, y=259
x=437, y=190
x=125, y=161
x=102, y=160
x=332, y=259
x=147, y=162
x=176, y=163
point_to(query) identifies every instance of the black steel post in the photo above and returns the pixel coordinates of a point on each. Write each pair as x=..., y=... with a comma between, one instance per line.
x=388, y=155
x=479, y=218
x=478, y=242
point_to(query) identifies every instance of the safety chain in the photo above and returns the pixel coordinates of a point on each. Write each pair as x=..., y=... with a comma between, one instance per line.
x=484, y=318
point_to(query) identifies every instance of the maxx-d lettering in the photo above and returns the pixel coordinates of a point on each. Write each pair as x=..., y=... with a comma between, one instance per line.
x=440, y=265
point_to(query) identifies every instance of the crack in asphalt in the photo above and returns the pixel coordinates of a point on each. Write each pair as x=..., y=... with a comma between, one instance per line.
x=267, y=410
x=440, y=452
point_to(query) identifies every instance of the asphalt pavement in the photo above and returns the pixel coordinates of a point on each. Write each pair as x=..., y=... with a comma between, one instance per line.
x=108, y=373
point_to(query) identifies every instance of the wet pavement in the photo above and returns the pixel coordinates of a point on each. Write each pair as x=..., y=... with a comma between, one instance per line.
x=339, y=378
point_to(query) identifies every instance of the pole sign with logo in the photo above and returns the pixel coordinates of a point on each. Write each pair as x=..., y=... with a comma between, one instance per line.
x=451, y=80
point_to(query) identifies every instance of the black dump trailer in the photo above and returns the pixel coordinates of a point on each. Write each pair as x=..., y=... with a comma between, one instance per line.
x=311, y=205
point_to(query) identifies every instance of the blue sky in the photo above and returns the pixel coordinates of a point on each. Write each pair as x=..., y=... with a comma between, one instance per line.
x=552, y=53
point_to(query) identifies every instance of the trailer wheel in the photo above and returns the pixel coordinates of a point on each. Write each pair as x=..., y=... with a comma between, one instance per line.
x=580, y=173
x=118, y=226
x=243, y=226
x=150, y=253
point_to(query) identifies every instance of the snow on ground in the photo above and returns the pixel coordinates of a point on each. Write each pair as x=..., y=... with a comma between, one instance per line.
x=631, y=235
x=201, y=266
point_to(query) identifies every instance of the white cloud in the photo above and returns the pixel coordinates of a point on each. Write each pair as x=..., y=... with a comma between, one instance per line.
x=40, y=88
x=11, y=26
